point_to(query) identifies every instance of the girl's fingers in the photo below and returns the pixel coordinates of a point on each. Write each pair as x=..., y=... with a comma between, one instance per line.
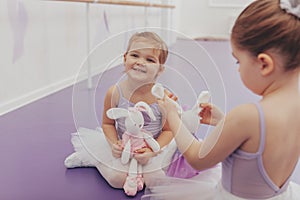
x=205, y=105
x=140, y=150
x=172, y=96
x=117, y=147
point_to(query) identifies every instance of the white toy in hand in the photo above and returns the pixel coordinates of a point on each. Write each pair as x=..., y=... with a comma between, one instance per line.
x=190, y=118
x=158, y=91
x=134, y=138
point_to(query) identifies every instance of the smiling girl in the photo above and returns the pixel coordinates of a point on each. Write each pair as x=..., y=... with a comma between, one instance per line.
x=143, y=62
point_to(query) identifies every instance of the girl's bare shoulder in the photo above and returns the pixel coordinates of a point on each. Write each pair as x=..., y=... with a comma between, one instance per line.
x=112, y=95
x=245, y=116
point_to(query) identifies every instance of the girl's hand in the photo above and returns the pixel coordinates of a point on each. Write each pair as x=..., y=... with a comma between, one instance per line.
x=210, y=114
x=117, y=149
x=171, y=95
x=167, y=106
x=143, y=155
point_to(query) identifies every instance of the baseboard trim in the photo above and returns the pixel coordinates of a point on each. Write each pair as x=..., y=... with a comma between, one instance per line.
x=35, y=95
x=39, y=93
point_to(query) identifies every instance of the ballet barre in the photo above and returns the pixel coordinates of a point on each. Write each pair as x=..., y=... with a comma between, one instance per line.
x=124, y=3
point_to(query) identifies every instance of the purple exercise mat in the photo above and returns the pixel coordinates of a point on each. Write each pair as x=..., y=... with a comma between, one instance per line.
x=35, y=139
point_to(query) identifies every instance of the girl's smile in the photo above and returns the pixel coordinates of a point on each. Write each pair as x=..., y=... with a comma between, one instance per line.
x=142, y=62
x=139, y=69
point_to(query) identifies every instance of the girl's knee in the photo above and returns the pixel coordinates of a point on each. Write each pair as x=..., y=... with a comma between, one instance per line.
x=113, y=177
x=151, y=178
x=116, y=179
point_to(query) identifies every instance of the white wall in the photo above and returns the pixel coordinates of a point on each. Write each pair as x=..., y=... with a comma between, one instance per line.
x=53, y=36
x=208, y=18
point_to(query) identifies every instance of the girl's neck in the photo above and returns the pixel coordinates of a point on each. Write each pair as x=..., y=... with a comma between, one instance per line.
x=134, y=87
x=287, y=83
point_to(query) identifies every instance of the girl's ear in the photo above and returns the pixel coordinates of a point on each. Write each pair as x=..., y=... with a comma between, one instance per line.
x=124, y=56
x=161, y=69
x=266, y=64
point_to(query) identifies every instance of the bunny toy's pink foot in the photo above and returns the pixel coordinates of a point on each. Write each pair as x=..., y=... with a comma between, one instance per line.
x=140, y=182
x=130, y=186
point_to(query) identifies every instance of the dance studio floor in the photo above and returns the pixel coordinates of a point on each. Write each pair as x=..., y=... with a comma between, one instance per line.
x=35, y=140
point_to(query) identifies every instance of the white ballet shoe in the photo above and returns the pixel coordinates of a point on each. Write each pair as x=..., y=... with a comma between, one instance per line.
x=74, y=160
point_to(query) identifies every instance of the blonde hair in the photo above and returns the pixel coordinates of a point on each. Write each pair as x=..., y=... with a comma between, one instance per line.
x=263, y=26
x=152, y=37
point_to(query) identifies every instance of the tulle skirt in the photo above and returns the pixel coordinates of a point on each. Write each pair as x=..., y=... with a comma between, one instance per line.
x=205, y=186
x=92, y=148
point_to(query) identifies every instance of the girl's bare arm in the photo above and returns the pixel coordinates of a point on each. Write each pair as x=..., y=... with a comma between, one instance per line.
x=108, y=125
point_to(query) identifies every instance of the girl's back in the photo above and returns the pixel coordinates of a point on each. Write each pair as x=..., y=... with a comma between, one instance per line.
x=282, y=145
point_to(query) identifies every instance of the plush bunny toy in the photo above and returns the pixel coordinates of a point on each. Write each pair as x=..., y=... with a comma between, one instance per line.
x=134, y=138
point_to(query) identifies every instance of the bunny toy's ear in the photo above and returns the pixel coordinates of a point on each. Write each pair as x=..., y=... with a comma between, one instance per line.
x=116, y=113
x=145, y=107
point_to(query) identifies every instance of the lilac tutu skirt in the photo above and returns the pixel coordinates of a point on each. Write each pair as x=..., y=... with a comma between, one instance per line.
x=180, y=168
